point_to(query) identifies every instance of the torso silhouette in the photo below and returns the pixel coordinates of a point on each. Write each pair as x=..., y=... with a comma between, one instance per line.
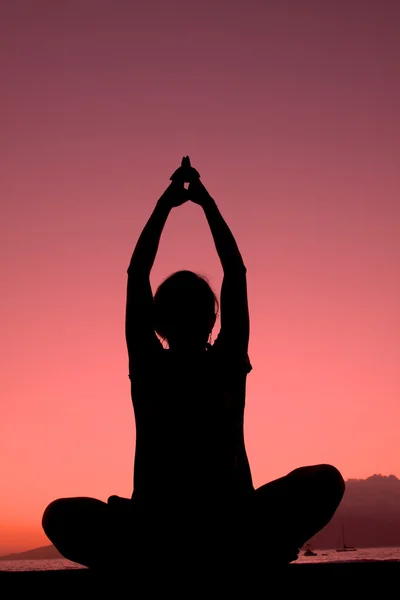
x=189, y=412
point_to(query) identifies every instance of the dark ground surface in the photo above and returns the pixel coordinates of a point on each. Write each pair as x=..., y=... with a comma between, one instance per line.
x=350, y=580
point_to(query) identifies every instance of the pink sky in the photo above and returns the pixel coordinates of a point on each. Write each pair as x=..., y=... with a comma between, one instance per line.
x=289, y=110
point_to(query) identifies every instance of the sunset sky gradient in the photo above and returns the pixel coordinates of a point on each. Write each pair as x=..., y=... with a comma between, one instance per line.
x=290, y=112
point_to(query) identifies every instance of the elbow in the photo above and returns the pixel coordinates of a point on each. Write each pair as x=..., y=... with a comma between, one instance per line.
x=234, y=267
x=135, y=270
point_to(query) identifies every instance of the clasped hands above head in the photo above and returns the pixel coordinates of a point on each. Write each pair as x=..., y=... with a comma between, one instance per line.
x=185, y=173
x=176, y=193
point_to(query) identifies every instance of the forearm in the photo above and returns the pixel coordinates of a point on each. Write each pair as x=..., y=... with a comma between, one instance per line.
x=144, y=255
x=224, y=241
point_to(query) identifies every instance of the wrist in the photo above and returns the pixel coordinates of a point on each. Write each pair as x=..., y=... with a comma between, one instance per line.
x=208, y=203
x=164, y=205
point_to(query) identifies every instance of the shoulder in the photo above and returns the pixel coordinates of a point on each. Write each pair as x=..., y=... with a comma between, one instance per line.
x=146, y=362
x=230, y=356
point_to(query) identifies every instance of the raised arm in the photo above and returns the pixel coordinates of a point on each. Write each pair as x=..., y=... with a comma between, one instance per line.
x=139, y=329
x=234, y=305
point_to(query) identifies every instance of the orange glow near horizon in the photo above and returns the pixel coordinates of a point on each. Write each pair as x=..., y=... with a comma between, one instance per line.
x=291, y=118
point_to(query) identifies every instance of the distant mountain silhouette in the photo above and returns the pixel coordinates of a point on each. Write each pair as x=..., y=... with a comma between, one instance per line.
x=44, y=553
x=369, y=512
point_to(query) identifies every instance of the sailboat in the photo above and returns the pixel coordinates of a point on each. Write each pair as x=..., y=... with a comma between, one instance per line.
x=345, y=548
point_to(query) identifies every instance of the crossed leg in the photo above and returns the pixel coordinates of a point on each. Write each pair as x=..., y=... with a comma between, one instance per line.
x=282, y=516
x=291, y=509
x=90, y=532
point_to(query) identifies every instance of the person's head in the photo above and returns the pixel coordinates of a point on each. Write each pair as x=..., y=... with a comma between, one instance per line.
x=185, y=309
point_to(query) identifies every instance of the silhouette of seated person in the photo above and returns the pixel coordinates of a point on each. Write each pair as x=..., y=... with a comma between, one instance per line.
x=193, y=489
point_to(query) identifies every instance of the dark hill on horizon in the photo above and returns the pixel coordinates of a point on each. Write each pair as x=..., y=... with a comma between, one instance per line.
x=369, y=512
x=44, y=553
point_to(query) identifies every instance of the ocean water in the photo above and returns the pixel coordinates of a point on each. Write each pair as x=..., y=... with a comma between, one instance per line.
x=361, y=555
x=52, y=564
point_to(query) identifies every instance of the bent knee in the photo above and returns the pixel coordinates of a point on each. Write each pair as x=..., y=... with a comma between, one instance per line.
x=329, y=478
x=322, y=479
x=53, y=516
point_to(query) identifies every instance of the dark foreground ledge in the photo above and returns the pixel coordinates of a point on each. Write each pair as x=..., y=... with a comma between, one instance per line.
x=318, y=579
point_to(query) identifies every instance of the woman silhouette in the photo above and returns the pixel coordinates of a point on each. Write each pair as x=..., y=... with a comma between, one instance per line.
x=192, y=480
